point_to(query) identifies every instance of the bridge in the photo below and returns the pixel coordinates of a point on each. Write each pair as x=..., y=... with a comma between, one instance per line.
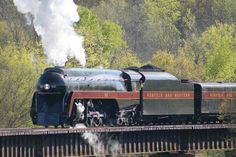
x=19, y=142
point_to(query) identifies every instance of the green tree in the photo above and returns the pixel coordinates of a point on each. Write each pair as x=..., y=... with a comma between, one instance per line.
x=90, y=28
x=11, y=32
x=88, y=3
x=203, y=11
x=185, y=68
x=220, y=52
x=225, y=11
x=164, y=60
x=114, y=42
x=186, y=23
x=162, y=33
x=125, y=59
x=5, y=35
x=111, y=10
x=103, y=42
x=18, y=73
x=18, y=30
x=178, y=65
x=131, y=17
x=207, y=13
x=215, y=51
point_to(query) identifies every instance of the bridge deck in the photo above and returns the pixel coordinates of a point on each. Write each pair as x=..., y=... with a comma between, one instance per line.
x=43, y=131
x=115, y=140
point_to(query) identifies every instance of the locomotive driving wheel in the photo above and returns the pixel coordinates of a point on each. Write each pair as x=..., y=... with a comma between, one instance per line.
x=95, y=121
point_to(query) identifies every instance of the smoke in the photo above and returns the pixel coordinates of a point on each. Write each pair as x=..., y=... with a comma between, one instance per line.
x=102, y=145
x=94, y=141
x=53, y=21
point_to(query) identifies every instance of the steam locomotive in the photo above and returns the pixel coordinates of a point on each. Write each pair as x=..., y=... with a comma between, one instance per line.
x=134, y=96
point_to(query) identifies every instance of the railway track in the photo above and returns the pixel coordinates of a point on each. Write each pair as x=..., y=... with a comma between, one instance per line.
x=127, y=140
x=42, y=131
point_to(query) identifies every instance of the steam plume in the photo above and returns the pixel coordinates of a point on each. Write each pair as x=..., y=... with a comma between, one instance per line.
x=53, y=21
x=98, y=143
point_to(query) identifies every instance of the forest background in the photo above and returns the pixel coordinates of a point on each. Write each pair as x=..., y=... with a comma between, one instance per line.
x=191, y=39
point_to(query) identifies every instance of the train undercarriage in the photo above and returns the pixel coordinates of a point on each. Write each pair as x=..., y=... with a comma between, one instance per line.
x=95, y=113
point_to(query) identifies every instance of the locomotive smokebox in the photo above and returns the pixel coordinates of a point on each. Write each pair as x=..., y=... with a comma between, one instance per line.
x=52, y=80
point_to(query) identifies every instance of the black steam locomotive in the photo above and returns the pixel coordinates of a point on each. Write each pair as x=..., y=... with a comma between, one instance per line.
x=133, y=96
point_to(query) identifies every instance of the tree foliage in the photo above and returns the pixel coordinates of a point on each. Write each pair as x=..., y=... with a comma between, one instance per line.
x=15, y=26
x=90, y=28
x=162, y=32
x=18, y=74
x=220, y=52
x=125, y=59
x=102, y=41
x=214, y=50
x=114, y=43
x=179, y=65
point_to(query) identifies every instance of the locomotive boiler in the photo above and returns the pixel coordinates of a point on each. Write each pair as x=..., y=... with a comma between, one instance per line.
x=134, y=96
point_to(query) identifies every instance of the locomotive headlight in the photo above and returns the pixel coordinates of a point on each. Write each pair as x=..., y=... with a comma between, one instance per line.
x=46, y=86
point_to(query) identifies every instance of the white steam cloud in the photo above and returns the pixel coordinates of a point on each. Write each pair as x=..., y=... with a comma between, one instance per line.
x=94, y=140
x=101, y=145
x=53, y=21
